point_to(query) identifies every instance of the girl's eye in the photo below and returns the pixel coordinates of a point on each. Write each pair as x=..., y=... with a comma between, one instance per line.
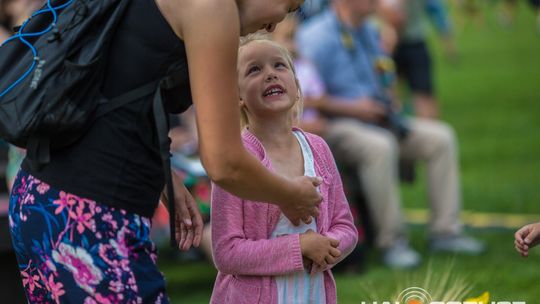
x=252, y=69
x=280, y=64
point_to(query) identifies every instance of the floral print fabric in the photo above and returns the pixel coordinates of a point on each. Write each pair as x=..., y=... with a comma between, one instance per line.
x=75, y=250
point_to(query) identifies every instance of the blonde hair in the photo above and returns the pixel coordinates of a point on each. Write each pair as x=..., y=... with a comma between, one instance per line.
x=299, y=104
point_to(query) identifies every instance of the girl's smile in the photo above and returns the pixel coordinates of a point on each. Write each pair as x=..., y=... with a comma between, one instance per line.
x=274, y=90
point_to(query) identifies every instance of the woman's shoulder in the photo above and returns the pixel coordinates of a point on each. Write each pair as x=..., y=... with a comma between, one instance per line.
x=185, y=16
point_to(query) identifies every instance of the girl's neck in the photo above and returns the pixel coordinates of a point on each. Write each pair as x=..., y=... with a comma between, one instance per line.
x=280, y=145
x=273, y=133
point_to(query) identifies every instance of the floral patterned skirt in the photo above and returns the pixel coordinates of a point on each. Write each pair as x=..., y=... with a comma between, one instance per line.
x=75, y=250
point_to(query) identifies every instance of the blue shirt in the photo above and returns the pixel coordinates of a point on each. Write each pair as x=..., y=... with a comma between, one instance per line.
x=347, y=70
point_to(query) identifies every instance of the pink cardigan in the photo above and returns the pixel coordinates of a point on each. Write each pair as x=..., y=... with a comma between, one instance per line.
x=244, y=254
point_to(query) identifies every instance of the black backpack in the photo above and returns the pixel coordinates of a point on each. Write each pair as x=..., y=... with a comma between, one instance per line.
x=51, y=75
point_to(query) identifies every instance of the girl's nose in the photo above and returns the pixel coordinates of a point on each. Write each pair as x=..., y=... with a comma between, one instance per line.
x=271, y=76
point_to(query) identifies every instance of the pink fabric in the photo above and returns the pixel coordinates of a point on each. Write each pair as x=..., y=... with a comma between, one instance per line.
x=247, y=259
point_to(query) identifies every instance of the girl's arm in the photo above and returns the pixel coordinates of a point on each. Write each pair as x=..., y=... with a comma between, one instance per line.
x=341, y=221
x=235, y=254
x=210, y=30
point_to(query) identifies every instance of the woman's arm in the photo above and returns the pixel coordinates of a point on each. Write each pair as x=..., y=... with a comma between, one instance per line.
x=210, y=30
x=234, y=253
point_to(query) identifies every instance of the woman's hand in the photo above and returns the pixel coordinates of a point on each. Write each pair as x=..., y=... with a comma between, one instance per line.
x=305, y=204
x=188, y=220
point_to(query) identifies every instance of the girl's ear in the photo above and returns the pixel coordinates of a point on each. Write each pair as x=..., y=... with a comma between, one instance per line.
x=241, y=102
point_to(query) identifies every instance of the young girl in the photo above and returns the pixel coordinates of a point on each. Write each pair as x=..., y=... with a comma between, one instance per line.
x=261, y=256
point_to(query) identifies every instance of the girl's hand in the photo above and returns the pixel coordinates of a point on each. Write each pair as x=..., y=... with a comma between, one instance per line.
x=526, y=238
x=307, y=263
x=319, y=249
x=305, y=205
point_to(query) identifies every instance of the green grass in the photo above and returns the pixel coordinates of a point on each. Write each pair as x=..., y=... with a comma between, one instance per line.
x=189, y=282
x=500, y=271
x=492, y=98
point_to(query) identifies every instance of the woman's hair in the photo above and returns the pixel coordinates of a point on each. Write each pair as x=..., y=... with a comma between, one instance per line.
x=265, y=38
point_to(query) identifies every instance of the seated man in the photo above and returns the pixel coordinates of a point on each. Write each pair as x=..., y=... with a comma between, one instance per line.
x=366, y=133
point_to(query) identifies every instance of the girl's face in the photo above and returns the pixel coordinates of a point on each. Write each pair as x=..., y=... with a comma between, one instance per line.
x=266, y=80
x=264, y=14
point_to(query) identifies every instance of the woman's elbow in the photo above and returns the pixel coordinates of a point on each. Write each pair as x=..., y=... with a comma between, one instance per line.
x=221, y=169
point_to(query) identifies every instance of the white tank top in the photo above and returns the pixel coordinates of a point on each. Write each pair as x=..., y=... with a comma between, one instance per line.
x=300, y=287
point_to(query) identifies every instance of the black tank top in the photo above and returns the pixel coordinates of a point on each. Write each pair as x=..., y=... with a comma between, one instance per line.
x=117, y=161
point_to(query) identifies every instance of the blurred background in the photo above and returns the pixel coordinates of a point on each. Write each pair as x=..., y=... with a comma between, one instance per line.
x=486, y=72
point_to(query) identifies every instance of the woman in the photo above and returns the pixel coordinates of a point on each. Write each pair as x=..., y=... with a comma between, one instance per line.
x=80, y=224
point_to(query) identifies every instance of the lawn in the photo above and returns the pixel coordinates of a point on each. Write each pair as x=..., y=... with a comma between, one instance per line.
x=492, y=98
